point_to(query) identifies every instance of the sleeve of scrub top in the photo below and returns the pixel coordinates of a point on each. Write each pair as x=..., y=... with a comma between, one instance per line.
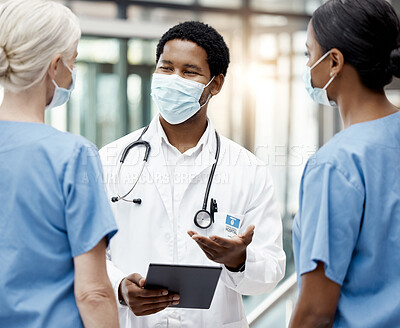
x=107, y=155
x=265, y=258
x=88, y=214
x=330, y=218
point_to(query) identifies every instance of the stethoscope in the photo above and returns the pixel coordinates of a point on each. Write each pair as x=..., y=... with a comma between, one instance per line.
x=203, y=218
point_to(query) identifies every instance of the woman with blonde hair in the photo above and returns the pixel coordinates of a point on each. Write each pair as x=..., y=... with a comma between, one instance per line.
x=55, y=221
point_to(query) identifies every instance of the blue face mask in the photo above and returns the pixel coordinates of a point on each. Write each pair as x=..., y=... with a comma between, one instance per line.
x=177, y=98
x=317, y=94
x=62, y=95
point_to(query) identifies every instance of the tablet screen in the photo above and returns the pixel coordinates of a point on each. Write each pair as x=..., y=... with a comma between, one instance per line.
x=195, y=284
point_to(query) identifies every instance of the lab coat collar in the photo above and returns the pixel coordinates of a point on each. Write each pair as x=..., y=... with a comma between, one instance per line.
x=208, y=140
x=202, y=143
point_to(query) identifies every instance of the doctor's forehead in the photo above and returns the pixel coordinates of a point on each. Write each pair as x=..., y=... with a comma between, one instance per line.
x=184, y=53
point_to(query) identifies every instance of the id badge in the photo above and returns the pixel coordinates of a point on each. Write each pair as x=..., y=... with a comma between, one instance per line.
x=232, y=225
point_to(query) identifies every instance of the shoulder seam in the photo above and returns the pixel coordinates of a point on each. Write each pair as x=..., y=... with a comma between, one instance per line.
x=356, y=187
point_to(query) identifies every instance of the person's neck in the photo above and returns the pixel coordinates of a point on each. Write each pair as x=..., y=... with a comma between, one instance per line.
x=24, y=106
x=186, y=135
x=363, y=105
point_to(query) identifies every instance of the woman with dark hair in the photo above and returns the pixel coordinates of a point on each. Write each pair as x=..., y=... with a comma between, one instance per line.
x=346, y=234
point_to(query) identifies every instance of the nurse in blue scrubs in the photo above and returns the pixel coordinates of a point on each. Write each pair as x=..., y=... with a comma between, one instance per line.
x=55, y=221
x=346, y=234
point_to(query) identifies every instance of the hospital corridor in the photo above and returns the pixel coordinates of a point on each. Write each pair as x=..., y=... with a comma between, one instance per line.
x=199, y=163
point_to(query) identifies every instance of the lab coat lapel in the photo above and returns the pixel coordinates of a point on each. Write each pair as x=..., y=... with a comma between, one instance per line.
x=157, y=168
x=206, y=159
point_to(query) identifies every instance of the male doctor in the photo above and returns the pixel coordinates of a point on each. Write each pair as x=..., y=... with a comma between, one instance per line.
x=156, y=219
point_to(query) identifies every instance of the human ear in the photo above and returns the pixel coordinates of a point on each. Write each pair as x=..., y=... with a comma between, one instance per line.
x=216, y=84
x=337, y=61
x=54, y=65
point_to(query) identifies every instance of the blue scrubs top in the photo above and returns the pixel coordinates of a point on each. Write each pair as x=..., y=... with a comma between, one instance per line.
x=53, y=207
x=349, y=219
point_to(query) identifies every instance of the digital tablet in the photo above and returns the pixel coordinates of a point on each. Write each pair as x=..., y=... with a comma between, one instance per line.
x=195, y=284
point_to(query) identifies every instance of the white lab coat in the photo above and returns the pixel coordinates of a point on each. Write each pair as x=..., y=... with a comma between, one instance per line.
x=150, y=232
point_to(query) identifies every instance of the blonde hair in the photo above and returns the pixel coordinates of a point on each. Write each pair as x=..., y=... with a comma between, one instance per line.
x=32, y=32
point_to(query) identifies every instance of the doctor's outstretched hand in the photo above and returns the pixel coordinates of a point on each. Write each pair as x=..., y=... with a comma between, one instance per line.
x=228, y=251
x=144, y=301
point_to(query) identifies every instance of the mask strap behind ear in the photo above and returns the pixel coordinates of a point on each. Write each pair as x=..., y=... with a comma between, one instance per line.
x=209, y=82
x=329, y=82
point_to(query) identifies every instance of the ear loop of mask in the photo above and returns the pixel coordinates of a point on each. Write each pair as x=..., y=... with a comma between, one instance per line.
x=329, y=82
x=67, y=66
x=320, y=60
x=317, y=62
x=209, y=96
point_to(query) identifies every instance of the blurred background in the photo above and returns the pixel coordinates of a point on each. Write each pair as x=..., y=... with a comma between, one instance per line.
x=263, y=105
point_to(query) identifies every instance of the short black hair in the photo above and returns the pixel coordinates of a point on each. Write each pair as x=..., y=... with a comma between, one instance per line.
x=366, y=32
x=204, y=36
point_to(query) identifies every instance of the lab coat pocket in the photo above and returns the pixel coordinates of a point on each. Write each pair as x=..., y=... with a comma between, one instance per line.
x=226, y=225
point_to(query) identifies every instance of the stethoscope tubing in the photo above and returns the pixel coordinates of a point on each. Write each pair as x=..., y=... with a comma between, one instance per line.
x=139, y=142
x=213, y=168
x=133, y=187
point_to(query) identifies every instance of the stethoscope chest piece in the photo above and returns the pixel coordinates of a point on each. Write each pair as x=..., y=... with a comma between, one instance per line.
x=203, y=218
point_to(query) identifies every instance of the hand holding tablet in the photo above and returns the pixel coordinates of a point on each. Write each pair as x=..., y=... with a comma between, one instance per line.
x=144, y=301
x=194, y=284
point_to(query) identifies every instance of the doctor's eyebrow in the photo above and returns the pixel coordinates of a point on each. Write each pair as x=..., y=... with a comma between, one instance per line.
x=166, y=62
x=193, y=66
